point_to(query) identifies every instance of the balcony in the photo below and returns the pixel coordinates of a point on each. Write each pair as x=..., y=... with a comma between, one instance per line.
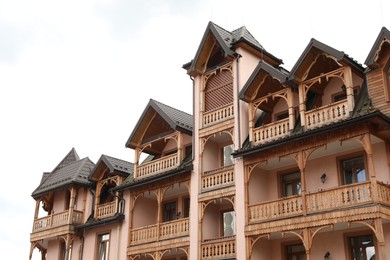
x=106, y=210
x=272, y=131
x=219, y=248
x=154, y=167
x=219, y=178
x=326, y=114
x=157, y=232
x=218, y=115
x=348, y=196
x=57, y=220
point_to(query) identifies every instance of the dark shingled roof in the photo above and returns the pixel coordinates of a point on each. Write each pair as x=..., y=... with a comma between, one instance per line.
x=72, y=173
x=177, y=119
x=227, y=40
x=119, y=166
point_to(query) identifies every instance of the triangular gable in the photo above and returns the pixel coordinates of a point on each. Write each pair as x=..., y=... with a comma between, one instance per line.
x=261, y=71
x=312, y=51
x=161, y=119
x=382, y=39
x=213, y=35
x=115, y=167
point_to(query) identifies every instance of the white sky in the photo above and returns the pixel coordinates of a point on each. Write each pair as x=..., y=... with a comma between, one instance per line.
x=80, y=73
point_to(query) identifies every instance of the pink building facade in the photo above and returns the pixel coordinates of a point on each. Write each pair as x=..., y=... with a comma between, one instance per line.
x=273, y=164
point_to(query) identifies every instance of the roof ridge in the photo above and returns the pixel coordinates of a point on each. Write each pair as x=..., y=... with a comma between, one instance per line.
x=116, y=158
x=158, y=102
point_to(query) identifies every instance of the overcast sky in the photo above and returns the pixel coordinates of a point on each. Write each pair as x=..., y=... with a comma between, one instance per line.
x=80, y=73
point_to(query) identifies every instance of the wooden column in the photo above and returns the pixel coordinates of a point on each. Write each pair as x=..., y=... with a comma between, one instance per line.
x=302, y=104
x=67, y=246
x=159, y=195
x=349, y=88
x=136, y=161
x=290, y=104
x=301, y=161
x=36, y=214
x=180, y=148
x=71, y=205
x=307, y=242
x=381, y=239
x=251, y=113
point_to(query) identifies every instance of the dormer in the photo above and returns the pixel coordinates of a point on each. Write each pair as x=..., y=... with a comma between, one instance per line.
x=271, y=104
x=215, y=70
x=328, y=83
x=164, y=134
x=108, y=173
x=378, y=75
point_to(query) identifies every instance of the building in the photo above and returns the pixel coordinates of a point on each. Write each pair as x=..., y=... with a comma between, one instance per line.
x=273, y=164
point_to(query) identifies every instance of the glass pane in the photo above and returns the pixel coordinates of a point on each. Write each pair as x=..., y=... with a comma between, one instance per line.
x=353, y=170
x=227, y=155
x=229, y=223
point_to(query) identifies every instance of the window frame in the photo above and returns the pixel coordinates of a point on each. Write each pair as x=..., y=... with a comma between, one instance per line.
x=222, y=160
x=347, y=239
x=281, y=183
x=288, y=244
x=351, y=156
x=356, y=91
x=99, y=237
x=163, y=209
x=222, y=228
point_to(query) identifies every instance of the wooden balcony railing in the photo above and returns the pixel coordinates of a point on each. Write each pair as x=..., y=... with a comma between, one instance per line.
x=56, y=220
x=271, y=131
x=219, y=248
x=285, y=207
x=218, y=178
x=163, y=164
x=333, y=199
x=218, y=115
x=166, y=230
x=327, y=114
x=106, y=210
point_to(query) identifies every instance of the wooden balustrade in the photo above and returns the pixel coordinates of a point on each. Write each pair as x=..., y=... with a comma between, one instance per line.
x=157, y=166
x=218, y=178
x=167, y=230
x=106, y=210
x=175, y=228
x=219, y=248
x=327, y=114
x=56, y=220
x=271, y=131
x=285, y=207
x=383, y=192
x=332, y=199
x=218, y=115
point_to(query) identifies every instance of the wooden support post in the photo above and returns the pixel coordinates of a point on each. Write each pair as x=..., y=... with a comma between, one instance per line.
x=291, y=115
x=71, y=205
x=380, y=238
x=349, y=88
x=302, y=104
x=37, y=203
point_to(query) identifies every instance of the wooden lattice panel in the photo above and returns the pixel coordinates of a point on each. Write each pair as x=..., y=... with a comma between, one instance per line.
x=219, y=90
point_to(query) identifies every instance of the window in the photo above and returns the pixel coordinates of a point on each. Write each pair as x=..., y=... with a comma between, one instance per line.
x=169, y=211
x=295, y=252
x=103, y=246
x=362, y=247
x=229, y=223
x=291, y=184
x=227, y=155
x=343, y=94
x=353, y=170
x=186, y=207
x=281, y=116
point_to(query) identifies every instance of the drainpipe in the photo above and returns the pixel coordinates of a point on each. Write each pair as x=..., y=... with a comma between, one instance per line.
x=238, y=103
x=118, y=229
x=193, y=117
